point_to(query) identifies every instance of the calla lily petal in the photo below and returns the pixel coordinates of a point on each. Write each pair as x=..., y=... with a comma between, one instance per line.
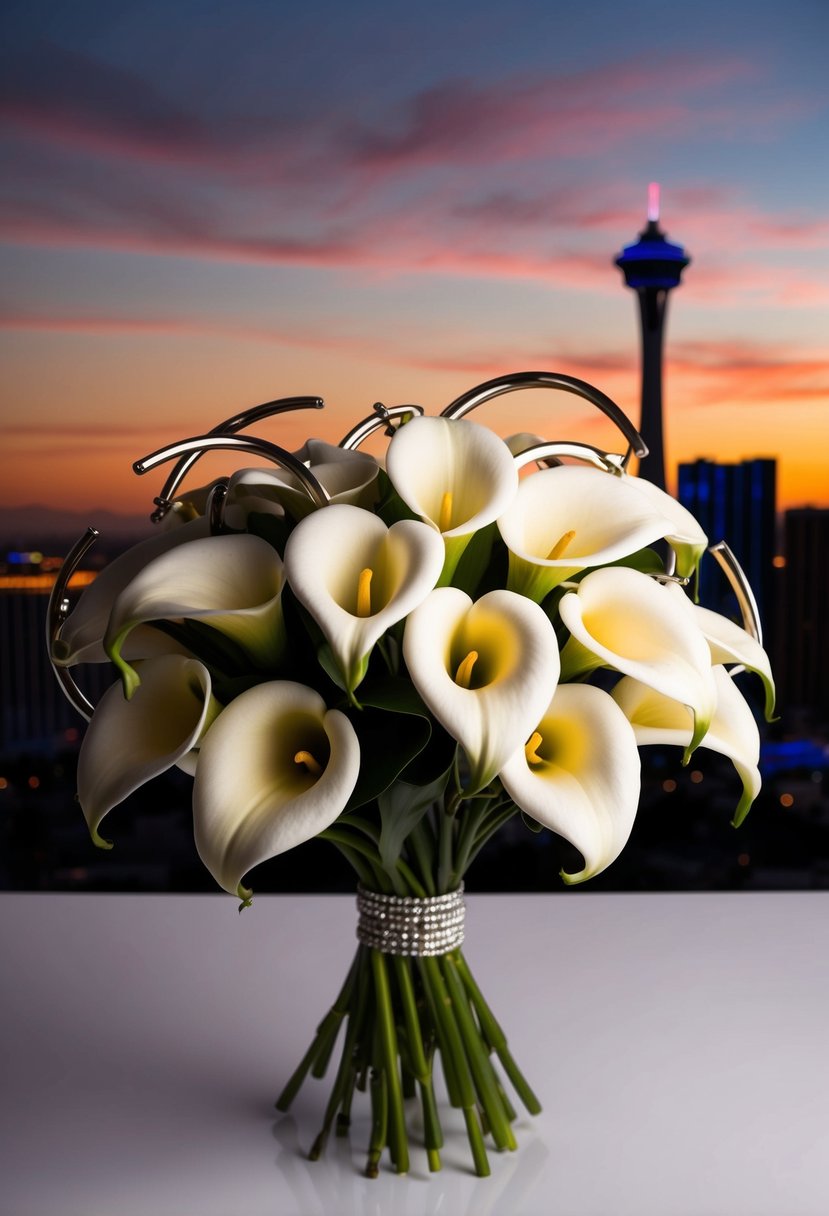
x=233, y=583
x=564, y=520
x=129, y=742
x=580, y=775
x=456, y=475
x=639, y=627
x=275, y=769
x=733, y=732
x=346, y=476
x=685, y=535
x=328, y=554
x=730, y=643
x=82, y=633
x=485, y=669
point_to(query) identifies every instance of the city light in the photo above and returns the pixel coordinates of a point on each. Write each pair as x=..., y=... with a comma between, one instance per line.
x=787, y=799
x=697, y=776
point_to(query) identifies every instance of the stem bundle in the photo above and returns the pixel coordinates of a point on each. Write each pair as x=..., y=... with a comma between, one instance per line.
x=400, y=1013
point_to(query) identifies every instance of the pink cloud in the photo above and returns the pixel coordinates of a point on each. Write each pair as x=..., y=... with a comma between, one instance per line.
x=715, y=371
x=740, y=372
x=578, y=114
x=75, y=101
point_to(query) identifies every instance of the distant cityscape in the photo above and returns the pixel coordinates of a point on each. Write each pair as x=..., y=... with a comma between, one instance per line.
x=682, y=839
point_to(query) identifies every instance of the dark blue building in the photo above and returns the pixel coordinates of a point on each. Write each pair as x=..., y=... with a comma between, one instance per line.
x=736, y=503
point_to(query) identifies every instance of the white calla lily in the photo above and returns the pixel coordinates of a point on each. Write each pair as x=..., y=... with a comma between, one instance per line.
x=685, y=535
x=629, y=621
x=656, y=719
x=81, y=638
x=456, y=475
x=275, y=769
x=346, y=476
x=567, y=519
x=579, y=774
x=129, y=742
x=486, y=670
x=232, y=583
x=357, y=577
x=730, y=643
x=190, y=505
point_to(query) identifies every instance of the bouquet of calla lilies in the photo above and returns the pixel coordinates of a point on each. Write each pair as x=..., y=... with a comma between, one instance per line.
x=397, y=655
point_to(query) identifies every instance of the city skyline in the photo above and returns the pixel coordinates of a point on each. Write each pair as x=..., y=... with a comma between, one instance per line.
x=205, y=211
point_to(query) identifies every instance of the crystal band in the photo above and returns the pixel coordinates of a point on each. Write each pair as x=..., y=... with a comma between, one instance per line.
x=402, y=924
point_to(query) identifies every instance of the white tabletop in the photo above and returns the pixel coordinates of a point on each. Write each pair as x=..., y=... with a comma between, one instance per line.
x=679, y=1044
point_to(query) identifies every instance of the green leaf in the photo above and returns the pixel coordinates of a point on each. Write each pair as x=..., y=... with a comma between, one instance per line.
x=391, y=506
x=395, y=694
x=474, y=561
x=326, y=660
x=647, y=561
x=393, y=727
x=435, y=758
x=213, y=648
x=402, y=806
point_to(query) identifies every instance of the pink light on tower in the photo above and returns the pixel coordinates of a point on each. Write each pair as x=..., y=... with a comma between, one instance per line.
x=653, y=202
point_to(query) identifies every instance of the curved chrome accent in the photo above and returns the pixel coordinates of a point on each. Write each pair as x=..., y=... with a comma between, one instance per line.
x=237, y=422
x=57, y=612
x=545, y=452
x=741, y=587
x=245, y=443
x=382, y=417
x=474, y=397
x=215, y=507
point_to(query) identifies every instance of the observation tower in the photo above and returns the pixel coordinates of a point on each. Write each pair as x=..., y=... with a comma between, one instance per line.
x=652, y=267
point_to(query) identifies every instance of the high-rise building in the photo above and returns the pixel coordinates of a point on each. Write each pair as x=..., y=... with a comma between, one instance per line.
x=735, y=503
x=652, y=267
x=804, y=676
x=35, y=714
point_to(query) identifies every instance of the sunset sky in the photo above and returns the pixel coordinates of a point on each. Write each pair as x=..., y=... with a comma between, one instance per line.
x=207, y=205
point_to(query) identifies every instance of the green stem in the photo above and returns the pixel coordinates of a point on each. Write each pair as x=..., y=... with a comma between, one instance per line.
x=385, y=881
x=398, y=1140
x=419, y=845
x=409, y=875
x=495, y=1035
x=483, y=1076
x=453, y=1046
x=445, y=839
x=364, y=872
x=331, y=1021
x=411, y=1021
x=489, y=830
x=339, y=837
x=379, y=1120
x=433, y=1001
x=472, y=820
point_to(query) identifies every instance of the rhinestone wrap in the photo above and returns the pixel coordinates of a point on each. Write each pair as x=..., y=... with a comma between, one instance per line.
x=402, y=924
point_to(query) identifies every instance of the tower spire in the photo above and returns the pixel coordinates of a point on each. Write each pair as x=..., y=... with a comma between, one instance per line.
x=652, y=267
